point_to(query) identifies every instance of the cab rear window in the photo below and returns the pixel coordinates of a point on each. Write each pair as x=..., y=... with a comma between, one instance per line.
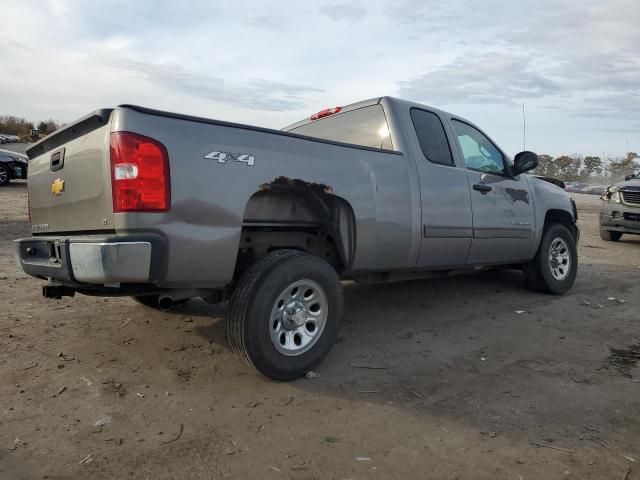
x=365, y=126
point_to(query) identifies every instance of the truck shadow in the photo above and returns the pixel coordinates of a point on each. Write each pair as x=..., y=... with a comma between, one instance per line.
x=478, y=348
x=398, y=310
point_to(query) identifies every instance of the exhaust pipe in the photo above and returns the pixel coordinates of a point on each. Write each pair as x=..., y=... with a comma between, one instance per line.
x=166, y=303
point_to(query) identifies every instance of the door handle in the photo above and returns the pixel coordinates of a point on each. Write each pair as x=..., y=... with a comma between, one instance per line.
x=482, y=188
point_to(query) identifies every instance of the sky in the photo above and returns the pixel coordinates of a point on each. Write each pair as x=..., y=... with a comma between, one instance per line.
x=574, y=64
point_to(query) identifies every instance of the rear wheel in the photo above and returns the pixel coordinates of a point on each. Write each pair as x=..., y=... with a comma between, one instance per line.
x=610, y=235
x=554, y=268
x=4, y=175
x=284, y=315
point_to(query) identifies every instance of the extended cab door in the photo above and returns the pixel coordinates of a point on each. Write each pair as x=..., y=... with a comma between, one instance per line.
x=444, y=195
x=503, y=216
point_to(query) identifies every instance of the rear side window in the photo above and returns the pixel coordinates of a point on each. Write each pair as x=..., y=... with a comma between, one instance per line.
x=431, y=136
x=365, y=126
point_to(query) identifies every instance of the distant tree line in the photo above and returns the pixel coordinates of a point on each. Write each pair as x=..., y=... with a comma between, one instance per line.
x=589, y=168
x=19, y=126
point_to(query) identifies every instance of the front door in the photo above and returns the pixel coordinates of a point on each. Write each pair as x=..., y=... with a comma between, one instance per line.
x=503, y=216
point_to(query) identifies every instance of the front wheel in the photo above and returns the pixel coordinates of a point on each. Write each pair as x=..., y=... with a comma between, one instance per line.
x=285, y=312
x=4, y=175
x=554, y=268
x=610, y=235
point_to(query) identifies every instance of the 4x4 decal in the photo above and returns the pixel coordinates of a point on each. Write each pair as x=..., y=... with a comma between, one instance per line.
x=224, y=157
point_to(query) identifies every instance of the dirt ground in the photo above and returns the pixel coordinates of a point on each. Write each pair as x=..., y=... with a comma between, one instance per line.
x=434, y=379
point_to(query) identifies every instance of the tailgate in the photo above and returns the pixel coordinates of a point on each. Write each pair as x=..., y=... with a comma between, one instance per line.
x=69, y=178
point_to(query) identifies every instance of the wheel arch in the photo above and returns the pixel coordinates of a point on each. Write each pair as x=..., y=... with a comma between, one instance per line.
x=562, y=217
x=293, y=213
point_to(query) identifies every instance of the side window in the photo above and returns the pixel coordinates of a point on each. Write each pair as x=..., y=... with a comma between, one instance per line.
x=431, y=136
x=478, y=151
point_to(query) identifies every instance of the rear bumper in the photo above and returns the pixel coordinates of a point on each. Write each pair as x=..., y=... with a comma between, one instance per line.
x=620, y=218
x=90, y=260
x=118, y=262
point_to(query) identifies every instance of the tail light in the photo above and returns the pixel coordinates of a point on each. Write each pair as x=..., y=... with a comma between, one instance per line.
x=139, y=174
x=325, y=113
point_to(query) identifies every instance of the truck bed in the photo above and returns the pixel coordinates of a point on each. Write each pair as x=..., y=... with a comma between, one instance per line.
x=210, y=195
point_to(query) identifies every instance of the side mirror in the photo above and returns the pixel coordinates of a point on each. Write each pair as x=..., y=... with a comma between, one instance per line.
x=524, y=162
x=628, y=177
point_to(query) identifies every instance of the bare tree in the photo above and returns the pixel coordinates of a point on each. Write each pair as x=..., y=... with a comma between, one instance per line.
x=15, y=125
x=546, y=166
x=48, y=126
x=620, y=167
x=592, y=165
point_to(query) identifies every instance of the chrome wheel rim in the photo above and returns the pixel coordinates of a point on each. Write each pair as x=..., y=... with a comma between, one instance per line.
x=298, y=317
x=4, y=176
x=559, y=259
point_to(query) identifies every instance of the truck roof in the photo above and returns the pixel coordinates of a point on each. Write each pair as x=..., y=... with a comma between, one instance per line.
x=369, y=102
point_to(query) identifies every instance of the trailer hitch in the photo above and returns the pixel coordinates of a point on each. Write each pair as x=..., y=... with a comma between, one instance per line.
x=57, y=291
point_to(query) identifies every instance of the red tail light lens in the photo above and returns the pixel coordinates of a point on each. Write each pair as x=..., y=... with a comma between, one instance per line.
x=139, y=174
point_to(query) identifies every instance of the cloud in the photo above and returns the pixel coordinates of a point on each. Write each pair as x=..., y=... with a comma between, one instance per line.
x=350, y=12
x=254, y=94
x=580, y=56
x=490, y=77
x=618, y=106
x=254, y=62
x=435, y=14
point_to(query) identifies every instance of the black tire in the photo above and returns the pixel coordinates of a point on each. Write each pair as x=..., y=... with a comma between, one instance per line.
x=153, y=301
x=538, y=272
x=5, y=175
x=610, y=235
x=250, y=308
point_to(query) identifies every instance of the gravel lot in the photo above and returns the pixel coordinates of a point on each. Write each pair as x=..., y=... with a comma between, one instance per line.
x=430, y=379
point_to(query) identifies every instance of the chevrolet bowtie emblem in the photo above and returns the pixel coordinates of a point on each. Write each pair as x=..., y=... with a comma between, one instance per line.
x=57, y=187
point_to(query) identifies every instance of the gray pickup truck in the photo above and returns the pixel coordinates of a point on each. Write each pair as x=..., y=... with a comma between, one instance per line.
x=620, y=212
x=165, y=207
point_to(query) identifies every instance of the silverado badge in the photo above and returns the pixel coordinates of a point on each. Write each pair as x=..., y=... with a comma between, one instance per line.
x=57, y=187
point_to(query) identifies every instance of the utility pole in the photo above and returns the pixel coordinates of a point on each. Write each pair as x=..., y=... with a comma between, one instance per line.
x=524, y=129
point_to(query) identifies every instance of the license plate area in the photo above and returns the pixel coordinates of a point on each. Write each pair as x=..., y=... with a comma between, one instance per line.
x=634, y=217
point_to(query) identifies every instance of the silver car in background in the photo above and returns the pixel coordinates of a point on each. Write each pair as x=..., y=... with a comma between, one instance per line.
x=620, y=212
